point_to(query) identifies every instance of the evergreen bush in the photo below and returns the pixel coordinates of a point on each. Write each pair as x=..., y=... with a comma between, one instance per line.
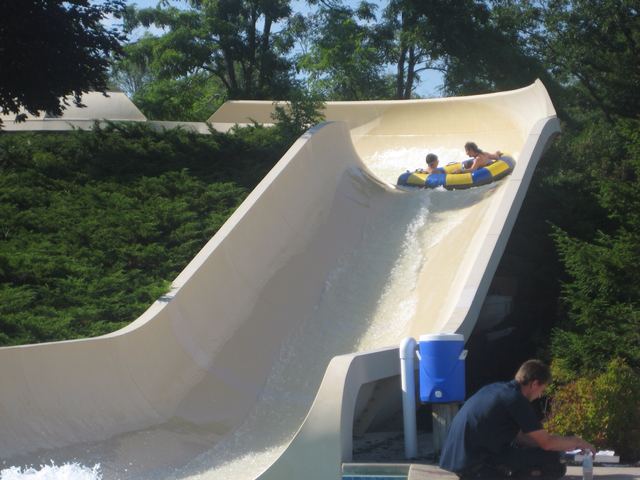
x=95, y=225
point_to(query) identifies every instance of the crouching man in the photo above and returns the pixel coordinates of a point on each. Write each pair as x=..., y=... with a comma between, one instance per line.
x=497, y=434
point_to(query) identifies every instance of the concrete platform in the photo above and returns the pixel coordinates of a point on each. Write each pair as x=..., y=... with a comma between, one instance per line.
x=606, y=472
x=391, y=471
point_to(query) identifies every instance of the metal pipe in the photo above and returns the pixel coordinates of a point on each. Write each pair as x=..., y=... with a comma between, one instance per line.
x=407, y=372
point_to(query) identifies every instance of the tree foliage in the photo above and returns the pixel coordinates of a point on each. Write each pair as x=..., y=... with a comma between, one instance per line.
x=492, y=48
x=190, y=98
x=411, y=50
x=51, y=49
x=234, y=41
x=345, y=58
x=601, y=406
x=302, y=112
x=349, y=54
x=596, y=43
x=602, y=301
x=601, y=293
x=600, y=311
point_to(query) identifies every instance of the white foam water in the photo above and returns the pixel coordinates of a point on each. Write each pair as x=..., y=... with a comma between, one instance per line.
x=389, y=164
x=68, y=471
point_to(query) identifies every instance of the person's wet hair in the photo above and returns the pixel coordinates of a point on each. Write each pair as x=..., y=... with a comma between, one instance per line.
x=472, y=146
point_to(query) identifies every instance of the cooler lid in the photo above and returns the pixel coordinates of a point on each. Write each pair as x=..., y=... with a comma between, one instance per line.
x=442, y=337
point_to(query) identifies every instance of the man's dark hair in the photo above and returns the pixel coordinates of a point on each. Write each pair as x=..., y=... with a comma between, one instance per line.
x=532, y=370
x=431, y=157
x=472, y=146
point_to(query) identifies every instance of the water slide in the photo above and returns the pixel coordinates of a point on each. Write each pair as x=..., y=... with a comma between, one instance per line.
x=275, y=342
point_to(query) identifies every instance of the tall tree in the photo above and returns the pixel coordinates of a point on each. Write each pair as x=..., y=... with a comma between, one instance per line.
x=191, y=98
x=486, y=45
x=235, y=41
x=591, y=46
x=411, y=50
x=601, y=318
x=596, y=45
x=51, y=49
x=478, y=46
x=344, y=57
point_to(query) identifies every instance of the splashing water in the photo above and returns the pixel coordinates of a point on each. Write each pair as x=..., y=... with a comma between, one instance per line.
x=389, y=164
x=68, y=471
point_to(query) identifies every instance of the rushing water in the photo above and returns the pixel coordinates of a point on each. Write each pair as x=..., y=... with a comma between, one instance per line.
x=367, y=301
x=69, y=471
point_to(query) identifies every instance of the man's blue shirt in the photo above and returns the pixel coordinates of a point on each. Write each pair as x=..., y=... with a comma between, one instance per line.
x=490, y=420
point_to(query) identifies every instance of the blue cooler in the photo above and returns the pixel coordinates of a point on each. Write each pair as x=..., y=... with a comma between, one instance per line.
x=442, y=368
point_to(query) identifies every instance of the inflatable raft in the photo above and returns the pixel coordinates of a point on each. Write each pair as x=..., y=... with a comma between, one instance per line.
x=496, y=170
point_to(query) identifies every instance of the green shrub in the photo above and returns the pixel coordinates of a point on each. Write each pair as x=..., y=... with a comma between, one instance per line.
x=603, y=408
x=95, y=225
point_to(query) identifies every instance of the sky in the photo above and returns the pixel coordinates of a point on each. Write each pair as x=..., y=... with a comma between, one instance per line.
x=430, y=80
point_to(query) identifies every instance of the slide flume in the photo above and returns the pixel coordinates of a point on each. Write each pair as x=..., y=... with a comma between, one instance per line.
x=326, y=264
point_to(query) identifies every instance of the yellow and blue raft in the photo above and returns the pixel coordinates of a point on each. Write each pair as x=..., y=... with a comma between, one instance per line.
x=496, y=170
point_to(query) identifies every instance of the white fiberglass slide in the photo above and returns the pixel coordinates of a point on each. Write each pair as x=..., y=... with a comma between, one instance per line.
x=325, y=258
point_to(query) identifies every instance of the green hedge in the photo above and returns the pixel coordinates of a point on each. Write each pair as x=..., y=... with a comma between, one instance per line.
x=95, y=225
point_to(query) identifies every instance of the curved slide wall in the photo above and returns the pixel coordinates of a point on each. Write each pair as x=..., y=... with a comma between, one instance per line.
x=191, y=367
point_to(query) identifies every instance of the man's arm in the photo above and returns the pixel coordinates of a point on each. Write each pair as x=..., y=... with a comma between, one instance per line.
x=557, y=443
x=475, y=166
x=525, y=440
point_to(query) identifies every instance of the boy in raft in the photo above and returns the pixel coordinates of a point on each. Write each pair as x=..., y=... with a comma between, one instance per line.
x=432, y=164
x=497, y=435
x=480, y=159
